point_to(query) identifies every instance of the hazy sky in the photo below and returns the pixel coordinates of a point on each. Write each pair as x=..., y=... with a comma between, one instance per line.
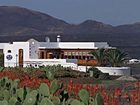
x=113, y=12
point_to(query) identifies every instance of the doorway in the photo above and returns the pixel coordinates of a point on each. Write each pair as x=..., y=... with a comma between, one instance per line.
x=20, y=57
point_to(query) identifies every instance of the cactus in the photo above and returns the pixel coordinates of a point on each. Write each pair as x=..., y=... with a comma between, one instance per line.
x=13, y=101
x=75, y=102
x=84, y=96
x=54, y=86
x=34, y=93
x=8, y=85
x=50, y=71
x=69, y=101
x=30, y=98
x=44, y=90
x=20, y=94
x=3, y=81
x=46, y=101
x=1, y=95
x=64, y=95
x=26, y=91
x=1, y=69
x=6, y=94
x=98, y=99
x=14, y=86
x=15, y=83
x=63, y=102
x=4, y=102
x=50, y=74
x=92, y=101
x=55, y=100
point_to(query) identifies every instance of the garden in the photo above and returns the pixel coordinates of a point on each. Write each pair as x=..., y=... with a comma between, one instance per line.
x=56, y=85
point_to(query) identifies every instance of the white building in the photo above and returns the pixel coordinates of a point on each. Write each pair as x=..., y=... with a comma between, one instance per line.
x=34, y=53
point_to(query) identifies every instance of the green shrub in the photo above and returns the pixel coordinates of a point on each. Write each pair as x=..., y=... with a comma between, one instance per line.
x=1, y=68
x=1, y=59
x=94, y=72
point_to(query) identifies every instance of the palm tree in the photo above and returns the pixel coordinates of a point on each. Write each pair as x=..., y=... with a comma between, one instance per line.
x=116, y=58
x=100, y=56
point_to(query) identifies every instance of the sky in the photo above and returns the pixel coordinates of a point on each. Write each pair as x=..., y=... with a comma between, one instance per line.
x=114, y=12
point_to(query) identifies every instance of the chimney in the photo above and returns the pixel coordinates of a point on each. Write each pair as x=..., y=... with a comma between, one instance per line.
x=58, y=38
x=47, y=39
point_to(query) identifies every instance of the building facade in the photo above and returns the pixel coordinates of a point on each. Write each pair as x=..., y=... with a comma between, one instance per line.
x=35, y=53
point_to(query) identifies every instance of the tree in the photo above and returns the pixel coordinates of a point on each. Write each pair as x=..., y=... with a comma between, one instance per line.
x=100, y=56
x=116, y=58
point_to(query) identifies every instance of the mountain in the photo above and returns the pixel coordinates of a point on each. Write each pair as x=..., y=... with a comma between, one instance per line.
x=20, y=21
x=17, y=23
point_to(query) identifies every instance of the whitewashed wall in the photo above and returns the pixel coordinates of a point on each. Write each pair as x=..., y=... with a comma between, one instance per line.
x=40, y=62
x=115, y=70
x=83, y=68
x=33, y=48
x=74, y=45
x=110, y=70
x=14, y=47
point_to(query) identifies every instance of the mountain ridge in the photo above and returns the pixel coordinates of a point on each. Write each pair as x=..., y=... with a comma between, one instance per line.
x=20, y=24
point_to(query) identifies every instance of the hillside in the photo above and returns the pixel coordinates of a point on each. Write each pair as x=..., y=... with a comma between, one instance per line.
x=18, y=23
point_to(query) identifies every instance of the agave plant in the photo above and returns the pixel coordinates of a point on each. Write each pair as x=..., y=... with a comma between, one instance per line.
x=116, y=58
x=100, y=56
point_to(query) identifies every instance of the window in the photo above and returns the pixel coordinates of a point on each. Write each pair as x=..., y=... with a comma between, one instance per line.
x=73, y=53
x=84, y=57
x=9, y=51
x=1, y=50
x=65, y=53
x=80, y=53
x=65, y=57
x=72, y=57
x=69, y=57
x=76, y=57
x=76, y=53
x=87, y=57
x=42, y=55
